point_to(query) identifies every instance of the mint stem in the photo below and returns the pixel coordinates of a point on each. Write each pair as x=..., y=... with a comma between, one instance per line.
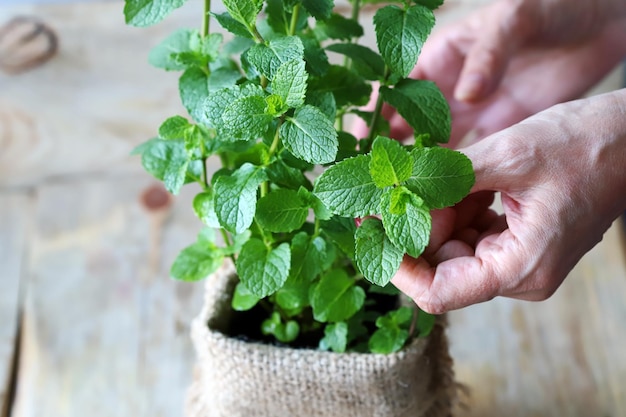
x=276, y=140
x=205, y=18
x=356, y=9
x=377, y=112
x=228, y=243
x=294, y=19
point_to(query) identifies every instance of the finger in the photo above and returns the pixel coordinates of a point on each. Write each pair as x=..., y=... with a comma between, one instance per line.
x=453, y=284
x=488, y=58
x=452, y=249
x=442, y=226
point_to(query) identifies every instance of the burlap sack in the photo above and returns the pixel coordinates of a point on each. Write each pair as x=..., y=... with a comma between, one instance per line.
x=234, y=378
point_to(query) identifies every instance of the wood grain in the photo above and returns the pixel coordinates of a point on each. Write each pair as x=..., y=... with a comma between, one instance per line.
x=560, y=357
x=14, y=228
x=105, y=328
x=84, y=110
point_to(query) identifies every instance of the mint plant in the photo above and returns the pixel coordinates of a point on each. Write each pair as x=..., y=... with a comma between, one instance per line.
x=270, y=104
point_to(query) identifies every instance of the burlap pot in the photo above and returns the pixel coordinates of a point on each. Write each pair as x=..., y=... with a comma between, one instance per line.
x=235, y=378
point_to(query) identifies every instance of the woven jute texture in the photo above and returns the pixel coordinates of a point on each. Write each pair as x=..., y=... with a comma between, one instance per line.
x=234, y=378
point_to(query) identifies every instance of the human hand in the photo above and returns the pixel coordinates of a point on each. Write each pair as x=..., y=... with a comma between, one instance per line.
x=562, y=183
x=495, y=68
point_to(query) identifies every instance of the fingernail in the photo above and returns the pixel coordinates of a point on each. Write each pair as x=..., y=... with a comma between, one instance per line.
x=470, y=88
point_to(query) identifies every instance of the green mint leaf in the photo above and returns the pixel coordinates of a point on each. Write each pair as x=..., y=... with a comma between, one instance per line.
x=193, y=86
x=425, y=323
x=293, y=297
x=233, y=26
x=319, y=209
x=338, y=27
x=290, y=82
x=148, y=12
x=244, y=11
x=204, y=207
x=424, y=107
x=336, y=297
x=267, y=58
x=348, y=146
x=347, y=87
x=281, y=210
x=285, y=176
x=316, y=59
x=283, y=332
x=396, y=318
x=431, y=4
x=276, y=105
x=335, y=337
x=166, y=161
x=263, y=270
x=200, y=51
x=348, y=189
x=237, y=243
x=243, y=299
x=277, y=17
x=218, y=101
x=407, y=221
x=392, y=331
x=174, y=128
x=194, y=171
x=400, y=35
x=209, y=46
x=366, y=62
x=390, y=163
x=164, y=54
x=307, y=257
x=198, y=260
x=325, y=101
x=319, y=9
x=341, y=230
x=441, y=177
x=310, y=135
x=206, y=236
x=246, y=118
x=142, y=147
x=235, y=197
x=223, y=78
x=376, y=257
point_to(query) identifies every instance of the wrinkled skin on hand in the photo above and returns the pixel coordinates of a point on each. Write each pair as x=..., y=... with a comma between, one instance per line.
x=562, y=179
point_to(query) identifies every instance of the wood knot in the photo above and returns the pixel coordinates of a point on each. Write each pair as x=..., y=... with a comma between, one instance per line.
x=156, y=198
x=25, y=43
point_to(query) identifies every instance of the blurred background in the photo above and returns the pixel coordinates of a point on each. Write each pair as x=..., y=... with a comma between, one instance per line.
x=91, y=323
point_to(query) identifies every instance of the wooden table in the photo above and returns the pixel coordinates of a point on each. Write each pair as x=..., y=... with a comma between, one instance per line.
x=91, y=324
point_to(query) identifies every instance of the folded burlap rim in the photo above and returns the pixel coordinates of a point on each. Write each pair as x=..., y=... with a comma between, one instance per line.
x=235, y=378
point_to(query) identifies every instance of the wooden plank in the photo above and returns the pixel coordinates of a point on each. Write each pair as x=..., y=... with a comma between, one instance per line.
x=564, y=356
x=105, y=328
x=84, y=110
x=14, y=226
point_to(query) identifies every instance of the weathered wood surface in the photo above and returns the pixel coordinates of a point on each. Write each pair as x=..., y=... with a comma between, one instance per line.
x=561, y=357
x=105, y=331
x=15, y=209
